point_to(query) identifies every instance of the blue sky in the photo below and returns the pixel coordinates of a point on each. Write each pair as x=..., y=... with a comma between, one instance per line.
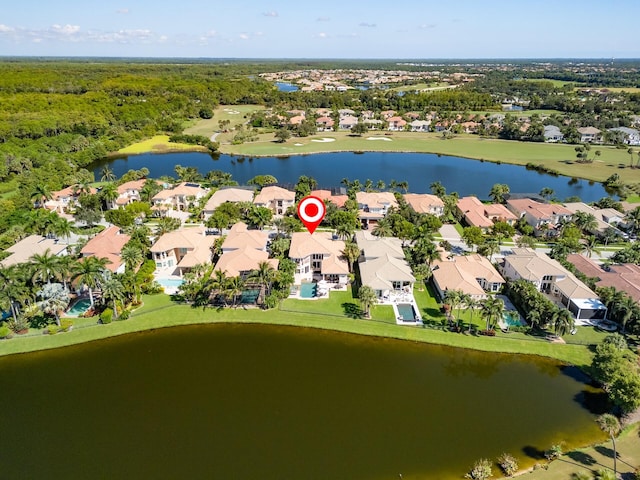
x=322, y=29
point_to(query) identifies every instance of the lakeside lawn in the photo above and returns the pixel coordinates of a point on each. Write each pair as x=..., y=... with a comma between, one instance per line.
x=158, y=144
x=236, y=114
x=159, y=311
x=558, y=157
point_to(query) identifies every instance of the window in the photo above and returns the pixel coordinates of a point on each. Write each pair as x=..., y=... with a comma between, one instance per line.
x=317, y=256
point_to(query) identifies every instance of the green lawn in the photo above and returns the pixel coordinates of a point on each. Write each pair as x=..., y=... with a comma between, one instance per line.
x=158, y=144
x=236, y=114
x=554, y=156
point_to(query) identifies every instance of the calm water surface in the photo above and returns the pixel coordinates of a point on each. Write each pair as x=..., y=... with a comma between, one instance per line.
x=467, y=177
x=265, y=402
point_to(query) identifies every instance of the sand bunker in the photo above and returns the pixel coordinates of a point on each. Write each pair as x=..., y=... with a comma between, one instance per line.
x=323, y=140
x=379, y=138
x=297, y=144
x=231, y=112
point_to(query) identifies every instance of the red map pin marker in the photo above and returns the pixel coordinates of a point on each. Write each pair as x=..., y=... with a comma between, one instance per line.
x=311, y=211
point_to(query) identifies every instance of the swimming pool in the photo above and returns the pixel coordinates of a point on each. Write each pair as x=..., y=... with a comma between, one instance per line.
x=170, y=282
x=79, y=308
x=512, y=319
x=407, y=312
x=308, y=290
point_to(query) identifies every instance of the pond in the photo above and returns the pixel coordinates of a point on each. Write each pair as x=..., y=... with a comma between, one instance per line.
x=269, y=402
x=462, y=175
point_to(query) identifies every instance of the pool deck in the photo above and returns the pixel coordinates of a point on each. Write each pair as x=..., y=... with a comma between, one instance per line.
x=168, y=290
x=403, y=297
x=73, y=304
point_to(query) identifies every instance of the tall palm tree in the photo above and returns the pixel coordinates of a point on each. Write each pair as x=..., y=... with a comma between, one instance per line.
x=264, y=275
x=45, y=266
x=351, y=253
x=40, y=194
x=454, y=299
x=610, y=425
x=623, y=308
x=367, y=297
x=235, y=287
x=383, y=228
x=132, y=256
x=472, y=304
x=219, y=283
x=14, y=289
x=562, y=321
x=112, y=289
x=107, y=175
x=492, y=309
x=55, y=299
x=89, y=272
x=109, y=194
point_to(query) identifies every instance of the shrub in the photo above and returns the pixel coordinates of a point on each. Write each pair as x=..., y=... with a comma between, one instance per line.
x=124, y=315
x=4, y=331
x=508, y=464
x=53, y=329
x=19, y=325
x=481, y=470
x=106, y=316
x=66, y=324
x=554, y=452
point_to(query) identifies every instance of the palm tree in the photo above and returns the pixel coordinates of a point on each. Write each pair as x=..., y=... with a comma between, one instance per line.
x=453, y=298
x=562, y=321
x=109, y=193
x=89, y=272
x=40, y=194
x=472, y=304
x=55, y=299
x=492, y=309
x=367, y=297
x=45, y=266
x=383, y=228
x=421, y=272
x=623, y=308
x=264, y=275
x=235, y=287
x=610, y=425
x=219, y=283
x=14, y=289
x=438, y=189
x=132, y=256
x=107, y=175
x=351, y=253
x=585, y=221
x=498, y=191
x=112, y=289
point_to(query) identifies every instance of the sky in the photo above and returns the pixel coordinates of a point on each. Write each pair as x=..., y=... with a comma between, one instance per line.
x=354, y=29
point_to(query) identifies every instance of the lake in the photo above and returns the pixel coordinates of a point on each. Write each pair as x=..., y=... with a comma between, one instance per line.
x=270, y=402
x=467, y=177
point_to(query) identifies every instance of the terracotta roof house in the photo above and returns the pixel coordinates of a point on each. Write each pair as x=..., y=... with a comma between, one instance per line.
x=183, y=249
x=107, y=244
x=318, y=257
x=241, y=262
x=387, y=114
x=368, y=115
x=372, y=206
x=478, y=214
x=425, y=203
x=605, y=217
x=412, y=115
x=382, y=265
x=277, y=199
x=65, y=198
x=325, y=124
x=396, y=124
x=552, y=278
x=472, y=274
x=624, y=277
x=23, y=250
x=347, y=122
x=230, y=194
x=180, y=197
x=589, y=134
x=543, y=217
x=240, y=236
x=326, y=195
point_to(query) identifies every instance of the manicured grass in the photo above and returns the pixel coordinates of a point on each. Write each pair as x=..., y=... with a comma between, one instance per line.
x=422, y=86
x=159, y=311
x=593, y=458
x=223, y=112
x=554, y=156
x=633, y=199
x=158, y=144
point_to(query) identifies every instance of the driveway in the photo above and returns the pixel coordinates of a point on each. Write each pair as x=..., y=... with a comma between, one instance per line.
x=450, y=233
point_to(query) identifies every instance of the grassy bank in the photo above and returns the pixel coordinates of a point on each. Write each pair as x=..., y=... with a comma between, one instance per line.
x=560, y=158
x=159, y=311
x=159, y=144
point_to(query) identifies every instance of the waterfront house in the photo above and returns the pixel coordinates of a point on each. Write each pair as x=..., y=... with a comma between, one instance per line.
x=630, y=136
x=319, y=257
x=275, y=198
x=552, y=134
x=66, y=199
x=373, y=206
x=23, y=250
x=623, y=277
x=605, y=217
x=589, y=135
x=227, y=194
x=420, y=125
x=472, y=274
x=478, y=214
x=181, y=250
x=543, y=217
x=396, y=124
x=243, y=250
x=347, y=122
x=425, y=203
x=180, y=198
x=328, y=196
x=108, y=244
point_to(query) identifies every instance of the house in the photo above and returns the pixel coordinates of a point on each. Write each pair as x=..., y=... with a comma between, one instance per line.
x=412, y=116
x=623, y=277
x=129, y=192
x=552, y=134
x=108, y=244
x=382, y=265
x=227, y=194
x=420, y=125
x=325, y=124
x=65, y=199
x=387, y=114
x=373, y=124
x=543, y=217
x=425, y=203
x=589, y=135
x=318, y=257
x=478, y=214
x=469, y=127
x=553, y=279
x=180, y=198
x=373, y=206
x=328, y=196
x=396, y=124
x=472, y=274
x=347, y=122
x=183, y=249
x=243, y=250
x=276, y=199
x=631, y=136
x=368, y=115
x=605, y=217
x=23, y=250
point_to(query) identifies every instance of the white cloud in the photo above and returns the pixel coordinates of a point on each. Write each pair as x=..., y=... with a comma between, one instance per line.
x=123, y=11
x=270, y=14
x=65, y=30
x=323, y=19
x=365, y=24
x=6, y=29
x=321, y=35
x=244, y=36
